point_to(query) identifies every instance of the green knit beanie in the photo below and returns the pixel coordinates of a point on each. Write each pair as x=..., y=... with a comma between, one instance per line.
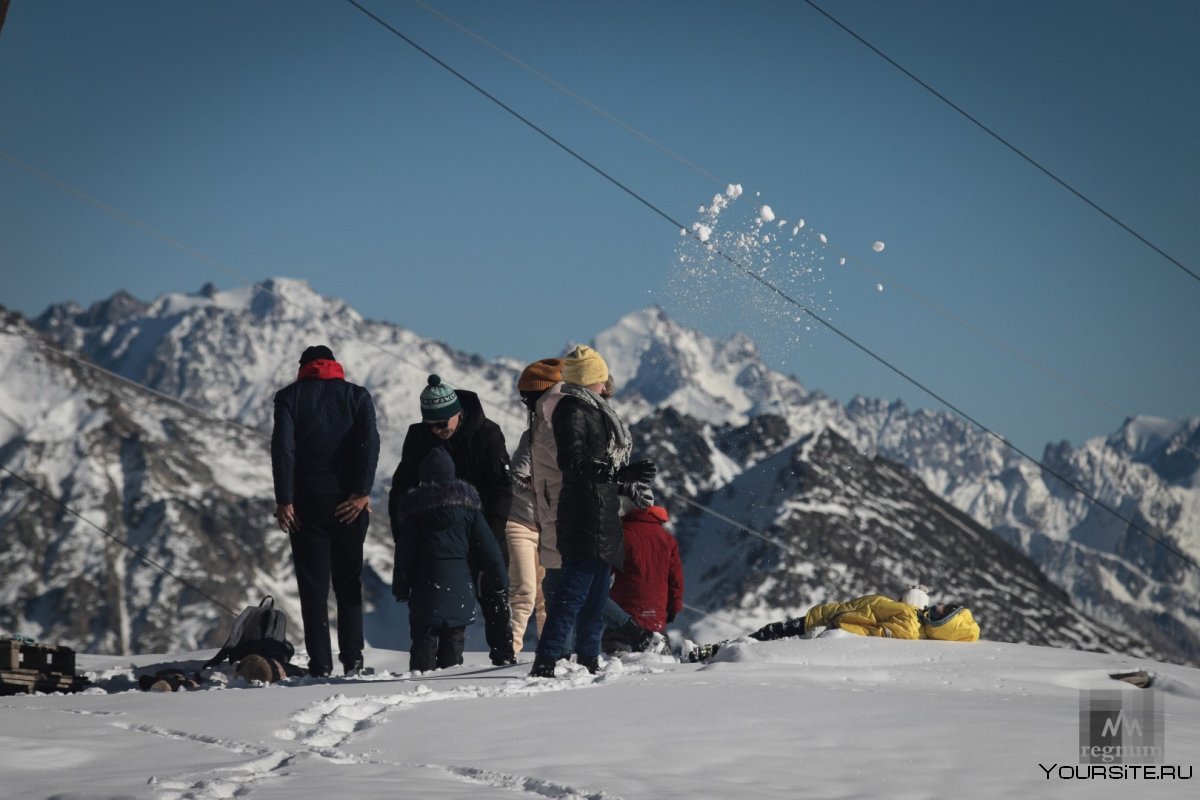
x=439, y=401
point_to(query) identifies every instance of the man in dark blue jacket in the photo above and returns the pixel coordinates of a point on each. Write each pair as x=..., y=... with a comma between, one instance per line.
x=324, y=450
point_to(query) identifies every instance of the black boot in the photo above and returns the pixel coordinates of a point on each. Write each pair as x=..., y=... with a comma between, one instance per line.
x=502, y=656
x=592, y=664
x=543, y=667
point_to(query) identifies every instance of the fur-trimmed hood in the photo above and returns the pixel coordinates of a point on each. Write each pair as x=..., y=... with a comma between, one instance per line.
x=435, y=496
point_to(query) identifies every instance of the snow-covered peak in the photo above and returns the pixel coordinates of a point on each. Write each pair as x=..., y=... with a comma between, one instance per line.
x=1141, y=436
x=624, y=344
x=721, y=381
x=284, y=298
x=1170, y=447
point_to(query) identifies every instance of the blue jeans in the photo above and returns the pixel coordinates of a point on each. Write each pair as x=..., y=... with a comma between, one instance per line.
x=615, y=617
x=550, y=585
x=578, y=602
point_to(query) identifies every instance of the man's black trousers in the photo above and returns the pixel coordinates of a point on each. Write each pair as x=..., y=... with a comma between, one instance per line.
x=325, y=552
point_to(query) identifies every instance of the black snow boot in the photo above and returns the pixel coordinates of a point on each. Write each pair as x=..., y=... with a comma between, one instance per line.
x=543, y=667
x=592, y=664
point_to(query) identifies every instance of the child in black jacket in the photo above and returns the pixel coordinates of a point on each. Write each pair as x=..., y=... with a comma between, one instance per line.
x=442, y=542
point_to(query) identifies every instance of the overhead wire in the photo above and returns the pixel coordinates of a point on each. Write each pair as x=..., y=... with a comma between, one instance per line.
x=83, y=362
x=1037, y=165
x=201, y=413
x=782, y=545
x=1132, y=417
x=186, y=407
x=772, y=288
x=577, y=97
x=142, y=556
x=214, y=262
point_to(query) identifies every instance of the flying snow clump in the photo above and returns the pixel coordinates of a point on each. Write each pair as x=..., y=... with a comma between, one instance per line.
x=878, y=247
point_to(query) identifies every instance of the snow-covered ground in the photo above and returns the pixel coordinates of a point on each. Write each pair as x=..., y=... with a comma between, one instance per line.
x=833, y=717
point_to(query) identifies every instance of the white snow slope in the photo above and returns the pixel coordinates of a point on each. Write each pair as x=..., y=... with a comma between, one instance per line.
x=833, y=717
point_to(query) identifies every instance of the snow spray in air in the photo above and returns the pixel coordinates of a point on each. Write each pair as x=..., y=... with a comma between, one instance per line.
x=783, y=252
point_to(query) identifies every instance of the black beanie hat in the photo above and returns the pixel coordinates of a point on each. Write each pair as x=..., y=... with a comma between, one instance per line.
x=315, y=353
x=436, y=467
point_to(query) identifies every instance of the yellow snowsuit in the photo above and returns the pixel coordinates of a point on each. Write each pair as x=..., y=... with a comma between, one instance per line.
x=876, y=615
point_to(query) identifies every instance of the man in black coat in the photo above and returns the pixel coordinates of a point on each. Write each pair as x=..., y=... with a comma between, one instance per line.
x=454, y=420
x=324, y=449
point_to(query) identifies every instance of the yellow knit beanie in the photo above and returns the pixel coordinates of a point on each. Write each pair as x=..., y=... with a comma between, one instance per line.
x=584, y=366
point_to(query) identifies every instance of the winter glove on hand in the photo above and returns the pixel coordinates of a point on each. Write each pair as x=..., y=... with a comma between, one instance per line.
x=639, y=493
x=670, y=617
x=642, y=471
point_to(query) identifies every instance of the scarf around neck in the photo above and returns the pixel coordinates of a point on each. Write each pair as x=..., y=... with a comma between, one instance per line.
x=620, y=443
x=322, y=369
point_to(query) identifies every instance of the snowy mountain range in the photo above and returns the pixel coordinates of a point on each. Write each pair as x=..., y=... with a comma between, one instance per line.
x=170, y=460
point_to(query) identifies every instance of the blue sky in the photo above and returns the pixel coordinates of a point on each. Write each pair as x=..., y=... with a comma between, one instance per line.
x=302, y=139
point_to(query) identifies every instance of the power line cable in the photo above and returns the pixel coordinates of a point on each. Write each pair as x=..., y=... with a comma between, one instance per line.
x=195, y=410
x=199, y=412
x=845, y=257
x=633, y=194
x=739, y=267
x=161, y=568
x=577, y=97
x=1017, y=353
x=1131, y=416
x=782, y=545
x=139, y=386
x=1045, y=171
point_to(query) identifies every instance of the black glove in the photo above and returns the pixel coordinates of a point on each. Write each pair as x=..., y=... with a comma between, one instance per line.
x=642, y=471
x=670, y=617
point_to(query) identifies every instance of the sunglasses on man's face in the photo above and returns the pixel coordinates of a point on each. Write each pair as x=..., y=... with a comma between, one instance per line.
x=438, y=425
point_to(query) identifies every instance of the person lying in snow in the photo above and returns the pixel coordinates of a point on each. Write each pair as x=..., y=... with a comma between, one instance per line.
x=910, y=617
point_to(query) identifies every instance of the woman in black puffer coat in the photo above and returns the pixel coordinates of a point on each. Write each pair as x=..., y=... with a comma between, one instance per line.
x=442, y=542
x=589, y=505
x=593, y=455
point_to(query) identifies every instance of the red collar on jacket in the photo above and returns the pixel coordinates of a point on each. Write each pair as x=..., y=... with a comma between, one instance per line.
x=321, y=368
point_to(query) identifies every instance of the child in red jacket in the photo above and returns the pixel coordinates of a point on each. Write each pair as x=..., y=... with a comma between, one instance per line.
x=648, y=591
